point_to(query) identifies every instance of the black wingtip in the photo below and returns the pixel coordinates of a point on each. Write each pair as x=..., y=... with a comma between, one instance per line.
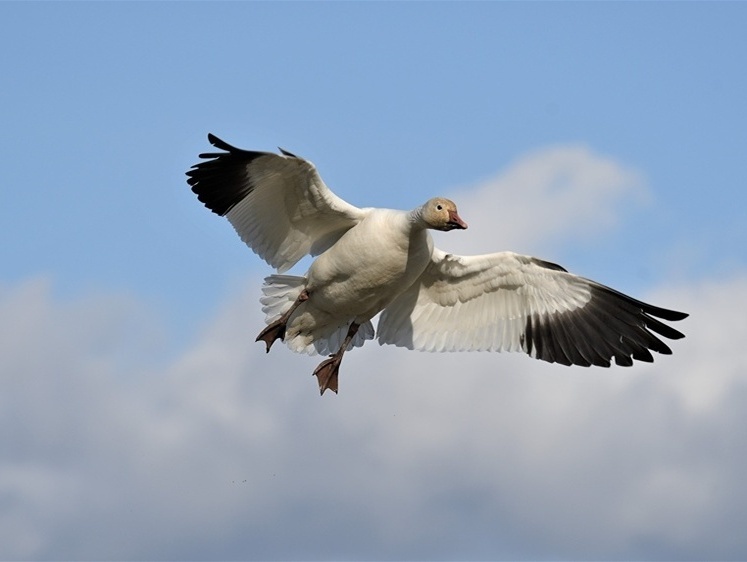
x=674, y=315
x=222, y=179
x=665, y=313
x=221, y=144
x=286, y=153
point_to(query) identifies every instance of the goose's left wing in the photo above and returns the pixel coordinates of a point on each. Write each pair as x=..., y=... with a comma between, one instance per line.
x=278, y=203
x=509, y=302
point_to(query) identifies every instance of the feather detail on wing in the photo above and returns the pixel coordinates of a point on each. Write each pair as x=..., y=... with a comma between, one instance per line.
x=510, y=302
x=278, y=203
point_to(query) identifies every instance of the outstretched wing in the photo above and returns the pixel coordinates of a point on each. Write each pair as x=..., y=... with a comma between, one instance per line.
x=510, y=302
x=278, y=203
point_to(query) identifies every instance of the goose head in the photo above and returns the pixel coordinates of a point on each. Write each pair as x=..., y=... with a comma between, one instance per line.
x=440, y=213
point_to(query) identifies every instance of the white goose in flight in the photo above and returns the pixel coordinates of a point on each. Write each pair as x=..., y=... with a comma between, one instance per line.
x=373, y=261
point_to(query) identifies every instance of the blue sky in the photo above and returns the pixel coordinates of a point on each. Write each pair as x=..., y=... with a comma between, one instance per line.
x=134, y=305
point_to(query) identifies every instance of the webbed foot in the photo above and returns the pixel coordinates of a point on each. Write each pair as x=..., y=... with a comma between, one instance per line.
x=327, y=372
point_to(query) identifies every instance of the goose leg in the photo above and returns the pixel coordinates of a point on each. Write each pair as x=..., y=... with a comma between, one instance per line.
x=328, y=369
x=276, y=330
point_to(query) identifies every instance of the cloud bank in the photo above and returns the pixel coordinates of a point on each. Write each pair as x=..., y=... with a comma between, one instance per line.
x=117, y=448
x=547, y=197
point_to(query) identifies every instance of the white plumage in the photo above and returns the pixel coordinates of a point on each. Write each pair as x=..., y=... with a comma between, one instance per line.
x=478, y=303
x=373, y=260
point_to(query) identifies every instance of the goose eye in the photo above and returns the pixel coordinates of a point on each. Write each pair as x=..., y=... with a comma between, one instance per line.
x=439, y=207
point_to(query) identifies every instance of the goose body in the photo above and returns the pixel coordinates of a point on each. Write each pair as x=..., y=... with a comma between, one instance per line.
x=356, y=278
x=369, y=266
x=372, y=261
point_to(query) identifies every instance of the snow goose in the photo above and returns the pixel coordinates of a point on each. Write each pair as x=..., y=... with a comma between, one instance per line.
x=373, y=261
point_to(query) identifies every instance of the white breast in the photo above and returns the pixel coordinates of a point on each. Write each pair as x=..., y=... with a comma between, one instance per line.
x=369, y=266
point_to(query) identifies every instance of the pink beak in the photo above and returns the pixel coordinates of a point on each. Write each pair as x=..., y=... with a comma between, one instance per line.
x=455, y=221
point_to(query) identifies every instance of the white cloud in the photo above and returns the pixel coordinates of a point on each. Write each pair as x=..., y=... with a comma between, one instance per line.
x=551, y=195
x=112, y=449
x=230, y=452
